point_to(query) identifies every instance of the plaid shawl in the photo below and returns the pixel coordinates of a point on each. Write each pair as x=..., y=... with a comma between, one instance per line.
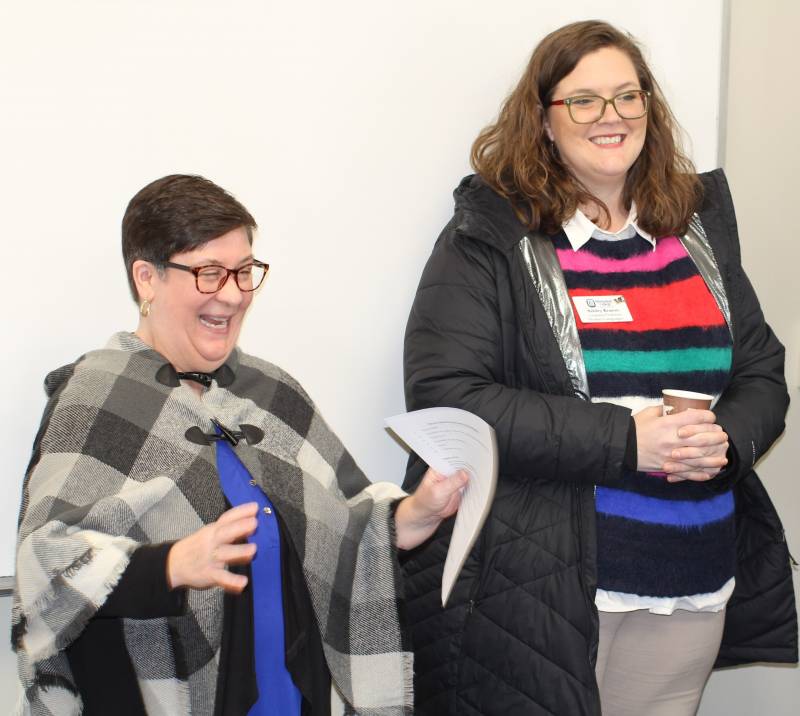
x=112, y=470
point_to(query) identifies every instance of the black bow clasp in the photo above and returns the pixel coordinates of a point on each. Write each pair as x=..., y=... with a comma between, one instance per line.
x=250, y=433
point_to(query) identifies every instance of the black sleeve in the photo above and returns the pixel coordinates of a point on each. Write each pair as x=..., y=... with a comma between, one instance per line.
x=143, y=592
x=631, y=460
x=98, y=657
x=457, y=354
x=753, y=406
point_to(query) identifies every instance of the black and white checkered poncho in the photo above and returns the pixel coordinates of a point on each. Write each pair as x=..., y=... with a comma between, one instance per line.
x=112, y=470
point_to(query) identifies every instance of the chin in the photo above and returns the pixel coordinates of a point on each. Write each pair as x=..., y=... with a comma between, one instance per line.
x=214, y=356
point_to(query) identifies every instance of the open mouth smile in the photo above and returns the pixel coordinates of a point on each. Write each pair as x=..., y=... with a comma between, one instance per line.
x=217, y=323
x=608, y=140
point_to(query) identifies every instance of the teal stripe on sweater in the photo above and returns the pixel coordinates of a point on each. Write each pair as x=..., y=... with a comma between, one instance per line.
x=670, y=361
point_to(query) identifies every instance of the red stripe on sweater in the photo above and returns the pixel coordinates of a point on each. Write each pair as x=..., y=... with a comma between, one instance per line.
x=678, y=305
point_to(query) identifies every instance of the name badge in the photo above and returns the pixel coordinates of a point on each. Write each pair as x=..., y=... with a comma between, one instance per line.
x=602, y=309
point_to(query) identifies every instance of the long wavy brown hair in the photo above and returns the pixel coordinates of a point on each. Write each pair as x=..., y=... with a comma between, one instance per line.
x=516, y=158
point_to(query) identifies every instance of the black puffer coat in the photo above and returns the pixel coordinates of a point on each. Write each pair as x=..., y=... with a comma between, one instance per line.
x=519, y=634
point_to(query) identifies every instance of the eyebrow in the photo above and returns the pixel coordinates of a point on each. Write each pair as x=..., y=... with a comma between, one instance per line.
x=214, y=262
x=618, y=88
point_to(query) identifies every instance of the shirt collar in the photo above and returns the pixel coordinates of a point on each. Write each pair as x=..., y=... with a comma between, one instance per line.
x=579, y=229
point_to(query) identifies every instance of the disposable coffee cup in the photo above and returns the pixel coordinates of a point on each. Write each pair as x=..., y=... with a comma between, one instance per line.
x=676, y=401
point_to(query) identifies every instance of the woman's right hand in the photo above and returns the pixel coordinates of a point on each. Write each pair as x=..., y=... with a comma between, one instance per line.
x=661, y=439
x=199, y=561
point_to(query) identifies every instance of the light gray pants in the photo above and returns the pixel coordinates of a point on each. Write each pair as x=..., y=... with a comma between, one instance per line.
x=654, y=665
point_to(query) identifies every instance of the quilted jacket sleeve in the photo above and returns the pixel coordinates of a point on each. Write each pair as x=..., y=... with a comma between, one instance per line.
x=753, y=406
x=464, y=348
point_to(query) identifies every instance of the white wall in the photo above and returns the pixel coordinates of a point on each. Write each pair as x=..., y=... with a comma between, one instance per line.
x=343, y=126
x=762, y=154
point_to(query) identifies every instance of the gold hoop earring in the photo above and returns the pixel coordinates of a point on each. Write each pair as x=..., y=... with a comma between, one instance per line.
x=144, y=308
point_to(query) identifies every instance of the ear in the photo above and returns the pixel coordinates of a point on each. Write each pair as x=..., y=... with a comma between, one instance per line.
x=548, y=129
x=145, y=276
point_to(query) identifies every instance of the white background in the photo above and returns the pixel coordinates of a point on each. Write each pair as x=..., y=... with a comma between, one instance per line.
x=343, y=127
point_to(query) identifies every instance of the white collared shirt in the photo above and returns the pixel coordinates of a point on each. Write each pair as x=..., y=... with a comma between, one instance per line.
x=579, y=229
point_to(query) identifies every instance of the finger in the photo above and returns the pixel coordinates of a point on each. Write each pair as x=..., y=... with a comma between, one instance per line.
x=235, y=531
x=452, y=506
x=248, y=509
x=675, y=478
x=693, y=417
x=700, y=446
x=457, y=481
x=449, y=483
x=692, y=453
x=679, y=468
x=229, y=581
x=688, y=431
x=693, y=466
x=696, y=476
x=715, y=440
x=682, y=469
x=696, y=433
x=432, y=476
x=235, y=553
x=707, y=461
x=710, y=462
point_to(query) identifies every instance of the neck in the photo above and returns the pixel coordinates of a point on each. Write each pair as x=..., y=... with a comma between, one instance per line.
x=146, y=336
x=611, y=196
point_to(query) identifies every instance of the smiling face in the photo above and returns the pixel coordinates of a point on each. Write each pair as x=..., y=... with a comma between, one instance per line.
x=599, y=154
x=192, y=330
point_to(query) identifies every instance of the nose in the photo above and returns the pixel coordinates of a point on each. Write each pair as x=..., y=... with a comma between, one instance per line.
x=230, y=293
x=606, y=117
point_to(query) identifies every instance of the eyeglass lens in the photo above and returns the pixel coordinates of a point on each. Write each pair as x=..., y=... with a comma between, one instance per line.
x=590, y=108
x=211, y=279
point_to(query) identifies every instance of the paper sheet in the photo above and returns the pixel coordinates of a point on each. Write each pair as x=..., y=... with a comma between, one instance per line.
x=449, y=439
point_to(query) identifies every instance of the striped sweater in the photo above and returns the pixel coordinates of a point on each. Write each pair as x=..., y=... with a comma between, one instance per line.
x=655, y=539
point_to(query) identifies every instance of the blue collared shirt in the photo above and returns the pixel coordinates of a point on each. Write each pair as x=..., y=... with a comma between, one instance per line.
x=277, y=693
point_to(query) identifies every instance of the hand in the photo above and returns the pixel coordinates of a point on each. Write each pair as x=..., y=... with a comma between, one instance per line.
x=704, y=455
x=418, y=515
x=686, y=446
x=199, y=560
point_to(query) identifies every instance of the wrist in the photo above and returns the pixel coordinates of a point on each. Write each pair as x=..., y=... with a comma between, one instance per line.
x=413, y=522
x=416, y=514
x=173, y=573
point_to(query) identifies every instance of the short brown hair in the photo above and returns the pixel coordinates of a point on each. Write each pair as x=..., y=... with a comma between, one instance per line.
x=177, y=213
x=515, y=157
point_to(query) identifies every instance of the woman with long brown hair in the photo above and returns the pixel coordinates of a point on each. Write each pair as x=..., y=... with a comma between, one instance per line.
x=587, y=268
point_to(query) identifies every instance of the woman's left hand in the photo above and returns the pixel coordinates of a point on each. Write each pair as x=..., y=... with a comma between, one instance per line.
x=703, y=455
x=418, y=515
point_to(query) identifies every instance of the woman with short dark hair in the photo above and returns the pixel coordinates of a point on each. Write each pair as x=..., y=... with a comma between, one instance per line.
x=588, y=267
x=193, y=538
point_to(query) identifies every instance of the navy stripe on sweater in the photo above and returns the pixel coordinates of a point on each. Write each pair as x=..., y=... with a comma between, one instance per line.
x=648, y=385
x=610, y=282
x=674, y=564
x=655, y=485
x=625, y=249
x=713, y=337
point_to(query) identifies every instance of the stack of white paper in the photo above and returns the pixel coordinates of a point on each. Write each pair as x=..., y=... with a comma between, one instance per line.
x=449, y=439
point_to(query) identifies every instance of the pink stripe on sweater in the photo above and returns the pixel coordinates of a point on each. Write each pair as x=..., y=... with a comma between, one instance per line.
x=668, y=249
